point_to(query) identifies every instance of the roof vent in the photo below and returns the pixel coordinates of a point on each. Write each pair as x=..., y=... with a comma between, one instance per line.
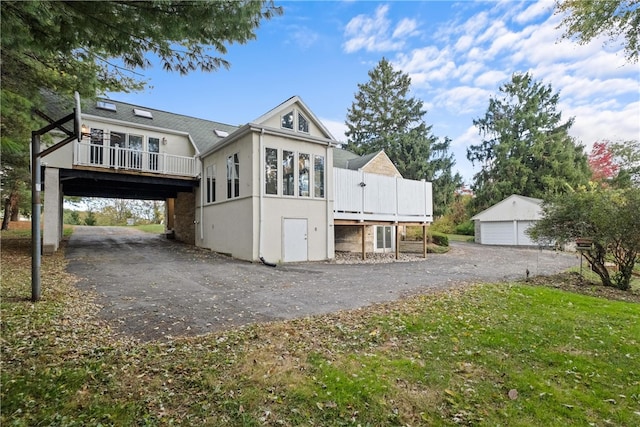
x=104, y=105
x=221, y=133
x=142, y=113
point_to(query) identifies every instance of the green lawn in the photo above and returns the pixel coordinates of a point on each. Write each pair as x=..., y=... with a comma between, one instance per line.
x=151, y=228
x=492, y=354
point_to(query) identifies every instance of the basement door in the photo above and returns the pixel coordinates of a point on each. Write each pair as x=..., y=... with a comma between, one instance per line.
x=294, y=239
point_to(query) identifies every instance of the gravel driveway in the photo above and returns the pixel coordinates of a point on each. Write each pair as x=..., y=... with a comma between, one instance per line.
x=151, y=287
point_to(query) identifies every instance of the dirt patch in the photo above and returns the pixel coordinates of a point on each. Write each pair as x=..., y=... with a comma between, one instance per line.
x=573, y=282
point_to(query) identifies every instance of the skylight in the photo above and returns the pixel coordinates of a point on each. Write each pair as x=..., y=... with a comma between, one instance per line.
x=221, y=133
x=142, y=113
x=104, y=105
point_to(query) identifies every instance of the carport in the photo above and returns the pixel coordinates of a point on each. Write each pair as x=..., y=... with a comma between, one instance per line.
x=86, y=182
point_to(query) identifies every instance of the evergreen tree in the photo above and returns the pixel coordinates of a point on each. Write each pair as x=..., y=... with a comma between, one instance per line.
x=384, y=117
x=64, y=47
x=526, y=148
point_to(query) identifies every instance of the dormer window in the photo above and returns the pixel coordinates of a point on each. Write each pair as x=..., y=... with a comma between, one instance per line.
x=287, y=120
x=221, y=133
x=303, y=124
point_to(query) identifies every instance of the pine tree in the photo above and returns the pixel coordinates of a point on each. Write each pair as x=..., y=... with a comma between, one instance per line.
x=527, y=149
x=384, y=117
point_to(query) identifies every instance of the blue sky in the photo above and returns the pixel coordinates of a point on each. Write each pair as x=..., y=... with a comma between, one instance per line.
x=457, y=54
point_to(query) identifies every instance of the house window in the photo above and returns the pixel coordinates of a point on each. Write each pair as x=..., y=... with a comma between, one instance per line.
x=287, y=121
x=384, y=238
x=97, y=139
x=318, y=176
x=288, y=177
x=154, y=152
x=303, y=124
x=303, y=175
x=271, y=171
x=233, y=176
x=211, y=183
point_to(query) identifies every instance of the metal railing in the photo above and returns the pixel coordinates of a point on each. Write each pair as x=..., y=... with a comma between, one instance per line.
x=370, y=197
x=116, y=157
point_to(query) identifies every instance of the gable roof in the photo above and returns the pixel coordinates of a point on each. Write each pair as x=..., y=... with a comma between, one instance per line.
x=514, y=207
x=202, y=131
x=302, y=106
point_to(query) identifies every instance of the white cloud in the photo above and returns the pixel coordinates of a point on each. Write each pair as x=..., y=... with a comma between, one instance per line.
x=463, y=99
x=491, y=79
x=594, y=123
x=374, y=34
x=535, y=10
x=337, y=128
x=406, y=27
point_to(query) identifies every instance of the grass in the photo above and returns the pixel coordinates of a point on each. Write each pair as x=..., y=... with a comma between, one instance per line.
x=491, y=354
x=460, y=238
x=151, y=228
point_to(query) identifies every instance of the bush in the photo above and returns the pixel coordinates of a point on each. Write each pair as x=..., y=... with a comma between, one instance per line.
x=444, y=224
x=467, y=228
x=439, y=239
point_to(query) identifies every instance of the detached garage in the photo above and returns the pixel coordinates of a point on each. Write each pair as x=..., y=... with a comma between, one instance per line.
x=505, y=222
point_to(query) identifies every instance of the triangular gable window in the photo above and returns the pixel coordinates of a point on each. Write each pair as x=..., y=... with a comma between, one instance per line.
x=303, y=124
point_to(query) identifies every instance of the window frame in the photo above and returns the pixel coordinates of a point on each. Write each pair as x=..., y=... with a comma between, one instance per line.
x=233, y=176
x=210, y=186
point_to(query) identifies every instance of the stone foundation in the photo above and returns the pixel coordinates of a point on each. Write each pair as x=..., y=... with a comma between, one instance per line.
x=184, y=218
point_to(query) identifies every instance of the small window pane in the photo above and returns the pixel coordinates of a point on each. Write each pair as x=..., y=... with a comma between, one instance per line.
x=303, y=124
x=233, y=176
x=318, y=176
x=271, y=171
x=287, y=121
x=387, y=237
x=288, y=178
x=154, y=149
x=97, y=139
x=303, y=175
x=211, y=183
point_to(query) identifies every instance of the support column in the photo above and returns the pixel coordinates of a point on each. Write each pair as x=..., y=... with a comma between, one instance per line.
x=424, y=241
x=52, y=209
x=397, y=228
x=364, y=244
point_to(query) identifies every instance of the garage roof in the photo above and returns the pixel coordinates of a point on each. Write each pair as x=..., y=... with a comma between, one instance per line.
x=513, y=208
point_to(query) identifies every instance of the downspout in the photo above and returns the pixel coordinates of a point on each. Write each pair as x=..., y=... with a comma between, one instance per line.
x=328, y=204
x=260, y=192
x=202, y=187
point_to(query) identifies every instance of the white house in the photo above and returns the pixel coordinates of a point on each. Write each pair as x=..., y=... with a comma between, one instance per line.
x=506, y=222
x=267, y=189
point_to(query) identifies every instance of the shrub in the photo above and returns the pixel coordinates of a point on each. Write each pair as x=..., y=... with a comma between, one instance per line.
x=439, y=239
x=444, y=224
x=467, y=228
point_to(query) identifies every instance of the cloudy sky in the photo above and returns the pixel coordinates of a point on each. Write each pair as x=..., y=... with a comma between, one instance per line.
x=457, y=53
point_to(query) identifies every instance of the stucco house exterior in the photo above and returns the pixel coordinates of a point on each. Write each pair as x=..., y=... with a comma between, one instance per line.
x=506, y=222
x=268, y=189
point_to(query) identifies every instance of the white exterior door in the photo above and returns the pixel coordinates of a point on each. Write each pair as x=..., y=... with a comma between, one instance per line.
x=295, y=239
x=523, y=237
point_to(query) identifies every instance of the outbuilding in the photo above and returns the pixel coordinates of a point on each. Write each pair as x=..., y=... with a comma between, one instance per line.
x=506, y=222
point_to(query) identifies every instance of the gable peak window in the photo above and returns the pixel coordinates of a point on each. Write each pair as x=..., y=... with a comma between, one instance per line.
x=303, y=124
x=287, y=120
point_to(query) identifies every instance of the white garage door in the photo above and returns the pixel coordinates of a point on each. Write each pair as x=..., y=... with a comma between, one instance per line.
x=497, y=233
x=523, y=238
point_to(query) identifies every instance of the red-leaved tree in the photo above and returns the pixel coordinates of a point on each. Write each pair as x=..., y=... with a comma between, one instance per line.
x=602, y=162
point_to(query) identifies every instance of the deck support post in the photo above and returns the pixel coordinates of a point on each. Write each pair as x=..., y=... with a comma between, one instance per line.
x=364, y=246
x=397, y=227
x=424, y=241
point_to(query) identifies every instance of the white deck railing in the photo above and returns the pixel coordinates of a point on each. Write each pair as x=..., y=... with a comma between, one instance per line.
x=115, y=157
x=364, y=196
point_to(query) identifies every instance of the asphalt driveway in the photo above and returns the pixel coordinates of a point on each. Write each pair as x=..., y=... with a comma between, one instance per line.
x=151, y=287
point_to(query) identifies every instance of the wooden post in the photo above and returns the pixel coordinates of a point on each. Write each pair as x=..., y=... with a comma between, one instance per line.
x=424, y=241
x=364, y=252
x=397, y=227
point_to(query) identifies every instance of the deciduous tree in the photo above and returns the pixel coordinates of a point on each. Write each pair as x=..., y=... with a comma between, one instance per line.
x=585, y=20
x=384, y=117
x=526, y=148
x=602, y=163
x=609, y=218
